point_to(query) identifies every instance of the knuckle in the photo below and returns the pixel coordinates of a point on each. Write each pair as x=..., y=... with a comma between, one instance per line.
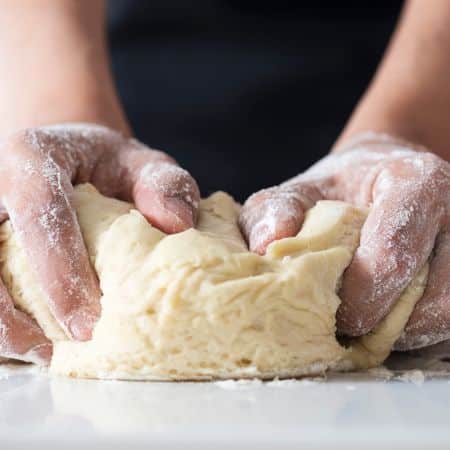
x=23, y=150
x=259, y=197
x=428, y=166
x=27, y=163
x=422, y=175
x=28, y=138
x=34, y=178
x=296, y=196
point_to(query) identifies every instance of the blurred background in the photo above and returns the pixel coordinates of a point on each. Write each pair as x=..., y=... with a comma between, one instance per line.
x=245, y=94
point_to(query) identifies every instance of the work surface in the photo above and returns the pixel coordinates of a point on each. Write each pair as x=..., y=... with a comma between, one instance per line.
x=368, y=410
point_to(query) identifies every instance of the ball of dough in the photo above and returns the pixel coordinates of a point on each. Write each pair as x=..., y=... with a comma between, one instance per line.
x=198, y=305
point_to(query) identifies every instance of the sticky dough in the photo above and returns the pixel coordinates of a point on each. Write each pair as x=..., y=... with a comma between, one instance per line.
x=199, y=305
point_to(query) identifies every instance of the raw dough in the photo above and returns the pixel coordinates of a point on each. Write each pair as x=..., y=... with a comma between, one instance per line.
x=199, y=305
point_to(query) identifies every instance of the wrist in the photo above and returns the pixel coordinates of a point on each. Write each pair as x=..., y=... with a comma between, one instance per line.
x=74, y=99
x=421, y=127
x=55, y=66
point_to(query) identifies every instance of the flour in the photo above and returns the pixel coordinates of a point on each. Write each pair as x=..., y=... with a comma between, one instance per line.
x=233, y=385
x=416, y=377
x=289, y=383
x=292, y=383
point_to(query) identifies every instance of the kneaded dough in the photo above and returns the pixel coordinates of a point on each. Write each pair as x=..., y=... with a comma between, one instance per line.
x=198, y=305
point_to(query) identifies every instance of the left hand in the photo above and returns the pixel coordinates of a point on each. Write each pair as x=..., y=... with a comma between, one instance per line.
x=39, y=167
x=408, y=190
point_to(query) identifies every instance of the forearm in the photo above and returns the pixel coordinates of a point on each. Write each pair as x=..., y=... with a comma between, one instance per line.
x=410, y=94
x=54, y=65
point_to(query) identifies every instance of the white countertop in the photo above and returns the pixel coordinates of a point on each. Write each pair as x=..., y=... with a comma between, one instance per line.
x=344, y=412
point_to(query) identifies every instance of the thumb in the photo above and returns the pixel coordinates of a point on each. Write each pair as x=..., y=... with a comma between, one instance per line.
x=163, y=192
x=276, y=213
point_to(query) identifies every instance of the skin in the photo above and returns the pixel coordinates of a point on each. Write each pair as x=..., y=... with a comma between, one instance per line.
x=62, y=44
x=406, y=185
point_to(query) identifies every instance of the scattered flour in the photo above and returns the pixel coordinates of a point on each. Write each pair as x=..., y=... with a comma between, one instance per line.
x=275, y=383
x=416, y=377
x=233, y=385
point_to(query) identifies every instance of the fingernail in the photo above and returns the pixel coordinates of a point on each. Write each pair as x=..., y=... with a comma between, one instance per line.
x=81, y=325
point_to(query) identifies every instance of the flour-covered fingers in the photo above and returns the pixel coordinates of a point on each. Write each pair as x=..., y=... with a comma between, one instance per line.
x=409, y=197
x=165, y=193
x=430, y=321
x=36, y=192
x=275, y=213
x=20, y=336
x=120, y=167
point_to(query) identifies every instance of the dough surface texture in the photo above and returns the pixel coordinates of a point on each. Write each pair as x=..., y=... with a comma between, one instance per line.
x=198, y=305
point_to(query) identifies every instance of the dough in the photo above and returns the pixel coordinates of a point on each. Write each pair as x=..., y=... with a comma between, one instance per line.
x=198, y=305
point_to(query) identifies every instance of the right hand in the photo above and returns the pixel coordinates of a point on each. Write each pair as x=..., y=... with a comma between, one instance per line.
x=38, y=169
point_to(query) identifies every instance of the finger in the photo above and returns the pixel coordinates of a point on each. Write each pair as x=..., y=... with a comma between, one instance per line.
x=37, y=195
x=165, y=193
x=396, y=241
x=440, y=351
x=162, y=191
x=275, y=213
x=430, y=321
x=20, y=336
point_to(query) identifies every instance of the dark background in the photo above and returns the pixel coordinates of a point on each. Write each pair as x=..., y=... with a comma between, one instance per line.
x=244, y=94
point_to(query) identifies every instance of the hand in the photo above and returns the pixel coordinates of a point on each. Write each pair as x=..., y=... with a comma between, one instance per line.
x=38, y=168
x=408, y=190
